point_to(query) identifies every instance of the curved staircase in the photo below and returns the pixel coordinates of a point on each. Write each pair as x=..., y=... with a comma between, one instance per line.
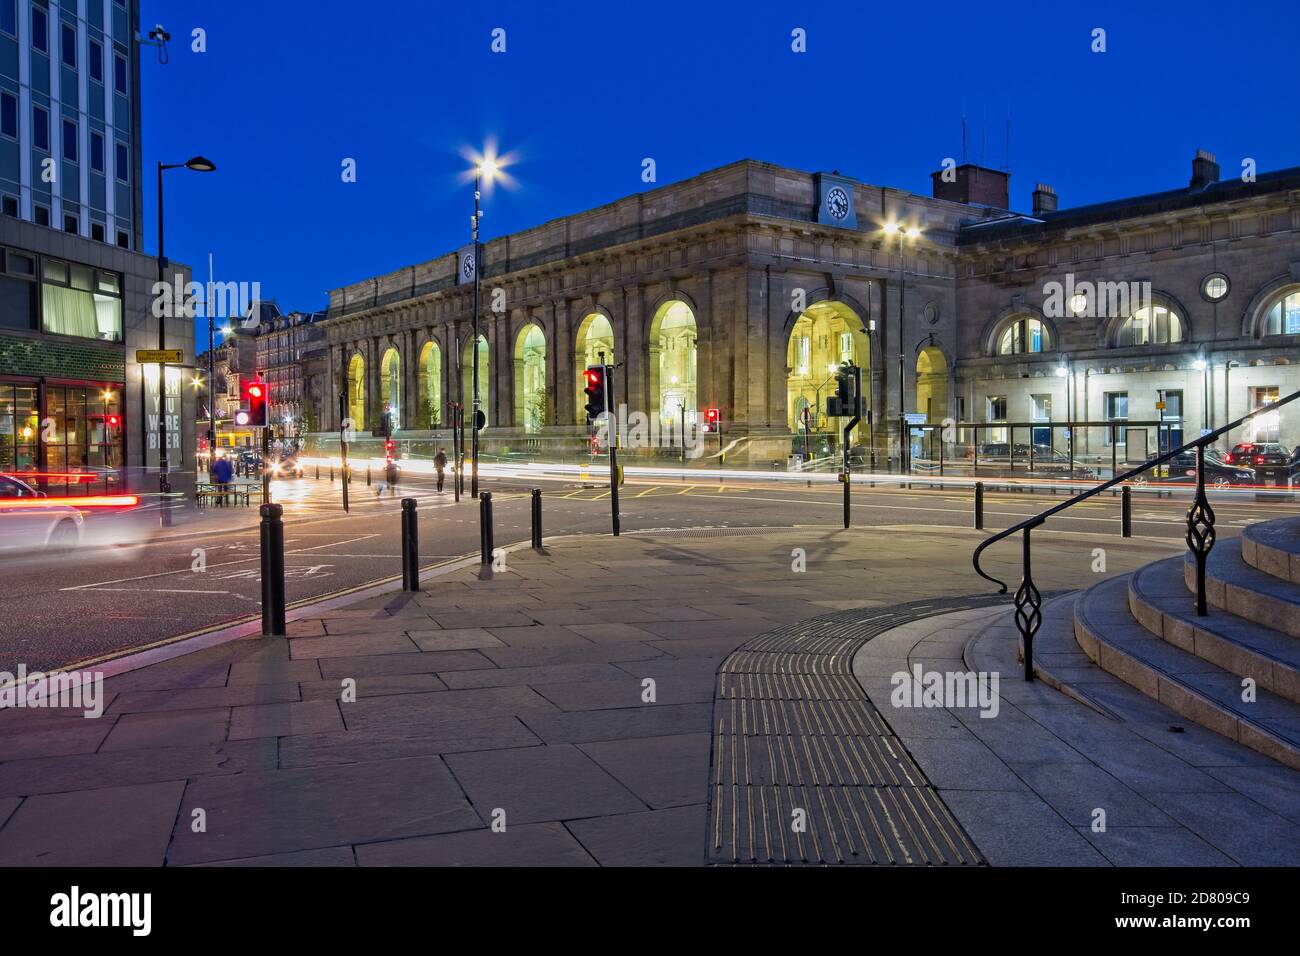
x=1143, y=629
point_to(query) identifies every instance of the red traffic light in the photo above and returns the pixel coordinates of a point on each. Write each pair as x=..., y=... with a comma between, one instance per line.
x=114, y=421
x=254, y=396
x=594, y=376
x=711, y=414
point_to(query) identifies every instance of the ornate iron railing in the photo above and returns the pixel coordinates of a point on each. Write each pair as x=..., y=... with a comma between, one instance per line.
x=1200, y=531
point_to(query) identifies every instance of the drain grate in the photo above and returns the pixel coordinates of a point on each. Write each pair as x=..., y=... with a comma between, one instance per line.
x=805, y=769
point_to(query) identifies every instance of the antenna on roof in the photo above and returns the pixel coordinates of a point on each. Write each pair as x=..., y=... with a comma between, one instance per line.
x=984, y=134
x=1006, y=156
x=963, y=132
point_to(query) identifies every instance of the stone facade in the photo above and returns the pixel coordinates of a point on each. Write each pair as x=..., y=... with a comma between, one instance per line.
x=750, y=251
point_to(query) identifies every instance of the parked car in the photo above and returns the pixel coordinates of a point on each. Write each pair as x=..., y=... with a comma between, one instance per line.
x=1182, y=468
x=1267, y=455
x=29, y=519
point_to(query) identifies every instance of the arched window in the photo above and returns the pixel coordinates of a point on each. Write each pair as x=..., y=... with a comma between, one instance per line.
x=1153, y=325
x=1283, y=317
x=1024, y=334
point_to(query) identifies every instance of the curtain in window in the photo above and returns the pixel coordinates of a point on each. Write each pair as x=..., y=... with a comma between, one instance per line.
x=68, y=312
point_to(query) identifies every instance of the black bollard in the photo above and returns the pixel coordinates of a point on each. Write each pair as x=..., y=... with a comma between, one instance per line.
x=485, y=526
x=272, y=535
x=367, y=475
x=410, y=547
x=1126, y=512
x=318, y=471
x=979, y=506
x=537, y=519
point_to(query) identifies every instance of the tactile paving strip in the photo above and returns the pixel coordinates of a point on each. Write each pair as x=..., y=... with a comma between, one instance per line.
x=805, y=770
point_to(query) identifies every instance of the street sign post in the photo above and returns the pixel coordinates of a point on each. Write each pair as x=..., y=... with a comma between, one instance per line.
x=159, y=356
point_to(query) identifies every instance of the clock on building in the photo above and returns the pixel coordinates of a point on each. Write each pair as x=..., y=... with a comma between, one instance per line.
x=837, y=202
x=467, y=266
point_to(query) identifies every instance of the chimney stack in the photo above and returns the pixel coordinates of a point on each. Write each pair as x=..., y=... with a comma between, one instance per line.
x=974, y=185
x=1205, y=170
x=1044, y=199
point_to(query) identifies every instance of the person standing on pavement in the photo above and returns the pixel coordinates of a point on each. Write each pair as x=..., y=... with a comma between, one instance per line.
x=221, y=475
x=440, y=464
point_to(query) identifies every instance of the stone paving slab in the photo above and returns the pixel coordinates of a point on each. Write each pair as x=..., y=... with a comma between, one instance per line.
x=523, y=692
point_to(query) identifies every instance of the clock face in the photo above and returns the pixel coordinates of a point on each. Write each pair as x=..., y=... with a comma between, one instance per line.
x=467, y=265
x=837, y=202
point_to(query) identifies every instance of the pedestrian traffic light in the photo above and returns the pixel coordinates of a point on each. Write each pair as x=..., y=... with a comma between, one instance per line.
x=253, y=404
x=597, y=380
x=114, y=421
x=388, y=449
x=712, y=420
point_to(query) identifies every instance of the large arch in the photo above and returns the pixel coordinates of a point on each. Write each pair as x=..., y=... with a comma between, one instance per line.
x=467, y=380
x=390, y=388
x=1003, y=322
x=530, y=398
x=1273, y=310
x=672, y=361
x=428, y=376
x=932, y=383
x=1162, y=305
x=356, y=385
x=595, y=335
x=825, y=335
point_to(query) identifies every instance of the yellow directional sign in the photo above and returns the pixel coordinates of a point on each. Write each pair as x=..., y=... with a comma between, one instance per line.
x=154, y=356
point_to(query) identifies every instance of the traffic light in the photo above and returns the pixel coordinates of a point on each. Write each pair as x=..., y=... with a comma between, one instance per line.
x=712, y=420
x=846, y=401
x=114, y=421
x=253, y=397
x=600, y=394
x=388, y=449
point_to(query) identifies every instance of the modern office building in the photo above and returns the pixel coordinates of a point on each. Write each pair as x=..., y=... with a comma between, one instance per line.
x=76, y=290
x=744, y=287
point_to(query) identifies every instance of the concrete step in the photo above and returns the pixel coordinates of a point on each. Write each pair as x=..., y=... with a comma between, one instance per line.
x=1234, y=586
x=1274, y=548
x=1158, y=598
x=1198, y=689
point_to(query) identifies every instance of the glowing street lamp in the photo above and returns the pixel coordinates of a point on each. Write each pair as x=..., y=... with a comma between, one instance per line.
x=912, y=233
x=487, y=169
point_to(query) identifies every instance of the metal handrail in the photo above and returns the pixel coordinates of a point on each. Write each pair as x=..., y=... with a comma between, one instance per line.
x=1200, y=529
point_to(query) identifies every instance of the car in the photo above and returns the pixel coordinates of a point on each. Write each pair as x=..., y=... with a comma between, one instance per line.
x=1267, y=454
x=29, y=519
x=286, y=467
x=1182, y=468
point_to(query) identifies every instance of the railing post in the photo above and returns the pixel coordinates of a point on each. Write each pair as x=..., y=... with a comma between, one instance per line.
x=410, y=547
x=1028, y=615
x=272, y=541
x=485, y=527
x=1126, y=512
x=1200, y=531
x=537, y=519
x=979, y=506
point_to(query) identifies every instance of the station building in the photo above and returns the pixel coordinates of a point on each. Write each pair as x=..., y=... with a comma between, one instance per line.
x=742, y=289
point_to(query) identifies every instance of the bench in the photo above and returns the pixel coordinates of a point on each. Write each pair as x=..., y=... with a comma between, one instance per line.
x=205, y=494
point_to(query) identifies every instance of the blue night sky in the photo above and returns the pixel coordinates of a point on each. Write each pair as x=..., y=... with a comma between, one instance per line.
x=585, y=91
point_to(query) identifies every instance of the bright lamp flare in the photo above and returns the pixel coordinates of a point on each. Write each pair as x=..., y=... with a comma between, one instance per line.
x=490, y=166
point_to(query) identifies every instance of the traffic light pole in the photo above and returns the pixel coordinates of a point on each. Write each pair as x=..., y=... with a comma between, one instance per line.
x=343, y=442
x=612, y=427
x=266, y=464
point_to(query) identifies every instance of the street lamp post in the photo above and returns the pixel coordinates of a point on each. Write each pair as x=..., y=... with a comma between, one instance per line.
x=911, y=232
x=473, y=484
x=201, y=165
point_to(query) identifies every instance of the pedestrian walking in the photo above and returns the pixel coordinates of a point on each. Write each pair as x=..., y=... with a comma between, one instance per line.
x=440, y=465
